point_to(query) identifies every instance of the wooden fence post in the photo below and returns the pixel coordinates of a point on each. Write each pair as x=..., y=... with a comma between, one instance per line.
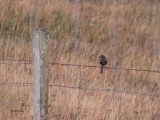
x=40, y=74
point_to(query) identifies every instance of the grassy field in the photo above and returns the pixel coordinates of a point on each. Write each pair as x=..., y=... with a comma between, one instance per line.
x=126, y=32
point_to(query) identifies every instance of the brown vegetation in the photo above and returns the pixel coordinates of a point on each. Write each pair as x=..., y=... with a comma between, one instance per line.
x=126, y=32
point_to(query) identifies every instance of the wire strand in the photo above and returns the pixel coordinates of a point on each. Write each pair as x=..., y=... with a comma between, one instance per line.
x=16, y=84
x=78, y=108
x=99, y=109
x=107, y=90
x=78, y=65
x=117, y=68
x=90, y=89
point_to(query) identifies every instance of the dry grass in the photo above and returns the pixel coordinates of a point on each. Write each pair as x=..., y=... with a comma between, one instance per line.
x=126, y=32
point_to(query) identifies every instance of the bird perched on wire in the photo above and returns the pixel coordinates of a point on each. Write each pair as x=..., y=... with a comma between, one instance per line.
x=103, y=61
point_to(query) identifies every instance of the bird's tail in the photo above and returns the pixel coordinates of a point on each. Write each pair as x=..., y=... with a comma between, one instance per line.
x=102, y=69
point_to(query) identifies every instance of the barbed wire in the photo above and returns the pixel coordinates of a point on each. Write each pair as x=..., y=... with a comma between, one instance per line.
x=117, y=68
x=15, y=60
x=107, y=90
x=15, y=104
x=74, y=87
x=98, y=109
x=16, y=84
x=89, y=89
x=78, y=108
x=23, y=117
x=78, y=65
x=6, y=63
x=67, y=107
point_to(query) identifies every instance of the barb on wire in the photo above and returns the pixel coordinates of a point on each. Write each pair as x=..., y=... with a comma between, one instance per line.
x=78, y=65
x=90, y=89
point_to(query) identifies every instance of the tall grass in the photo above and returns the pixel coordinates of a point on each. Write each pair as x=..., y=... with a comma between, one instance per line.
x=127, y=32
